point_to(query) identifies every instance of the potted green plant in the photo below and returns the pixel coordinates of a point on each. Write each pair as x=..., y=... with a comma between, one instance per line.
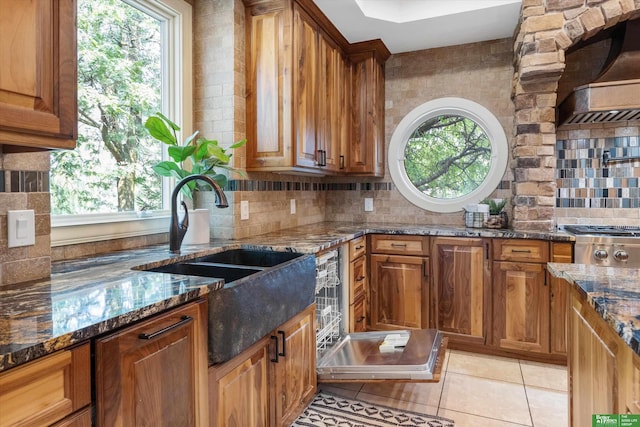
x=196, y=155
x=497, y=216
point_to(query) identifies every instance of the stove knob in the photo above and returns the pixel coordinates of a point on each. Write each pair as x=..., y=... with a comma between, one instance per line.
x=600, y=254
x=621, y=255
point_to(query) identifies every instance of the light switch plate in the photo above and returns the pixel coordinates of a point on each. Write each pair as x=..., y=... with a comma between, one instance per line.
x=244, y=209
x=21, y=228
x=368, y=204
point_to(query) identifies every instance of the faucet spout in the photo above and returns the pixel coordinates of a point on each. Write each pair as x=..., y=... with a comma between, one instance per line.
x=178, y=229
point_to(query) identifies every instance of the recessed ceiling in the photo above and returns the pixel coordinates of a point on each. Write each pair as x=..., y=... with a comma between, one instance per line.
x=409, y=25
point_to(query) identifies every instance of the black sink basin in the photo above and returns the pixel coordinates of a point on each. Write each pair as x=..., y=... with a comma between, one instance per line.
x=249, y=257
x=227, y=272
x=262, y=290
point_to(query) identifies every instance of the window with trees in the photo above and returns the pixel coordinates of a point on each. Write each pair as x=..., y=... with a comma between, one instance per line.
x=134, y=60
x=447, y=153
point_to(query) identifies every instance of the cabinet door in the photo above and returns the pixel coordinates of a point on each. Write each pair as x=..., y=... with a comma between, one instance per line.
x=155, y=372
x=294, y=381
x=305, y=89
x=269, y=81
x=38, y=105
x=366, y=151
x=399, y=292
x=330, y=104
x=239, y=391
x=593, y=367
x=563, y=253
x=461, y=291
x=520, y=307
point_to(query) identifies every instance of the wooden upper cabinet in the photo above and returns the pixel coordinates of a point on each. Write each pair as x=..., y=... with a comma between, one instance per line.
x=38, y=79
x=305, y=87
x=269, y=84
x=332, y=104
x=301, y=104
x=366, y=148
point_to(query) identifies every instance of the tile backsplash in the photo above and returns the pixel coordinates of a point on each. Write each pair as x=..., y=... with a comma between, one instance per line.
x=587, y=179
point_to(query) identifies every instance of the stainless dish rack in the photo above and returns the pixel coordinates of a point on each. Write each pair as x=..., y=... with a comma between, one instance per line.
x=328, y=292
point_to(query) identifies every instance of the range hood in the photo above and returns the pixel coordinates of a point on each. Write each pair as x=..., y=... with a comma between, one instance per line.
x=614, y=96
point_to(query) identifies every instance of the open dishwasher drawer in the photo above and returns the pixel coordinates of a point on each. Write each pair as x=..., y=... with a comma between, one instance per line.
x=358, y=357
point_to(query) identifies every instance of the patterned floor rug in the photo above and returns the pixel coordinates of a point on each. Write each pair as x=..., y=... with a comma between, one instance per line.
x=335, y=411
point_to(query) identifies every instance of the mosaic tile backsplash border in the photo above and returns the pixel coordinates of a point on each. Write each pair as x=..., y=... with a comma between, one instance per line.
x=598, y=172
x=24, y=181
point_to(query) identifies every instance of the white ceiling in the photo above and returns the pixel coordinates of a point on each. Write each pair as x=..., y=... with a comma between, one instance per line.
x=409, y=25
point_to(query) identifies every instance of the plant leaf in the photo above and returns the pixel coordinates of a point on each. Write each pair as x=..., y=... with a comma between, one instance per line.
x=238, y=144
x=180, y=154
x=191, y=137
x=168, y=121
x=159, y=130
x=166, y=168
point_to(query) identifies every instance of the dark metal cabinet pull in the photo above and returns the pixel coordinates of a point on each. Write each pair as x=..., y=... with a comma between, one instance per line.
x=284, y=342
x=275, y=359
x=182, y=321
x=360, y=319
x=341, y=162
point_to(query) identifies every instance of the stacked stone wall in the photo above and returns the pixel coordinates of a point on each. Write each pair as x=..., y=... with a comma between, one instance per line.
x=546, y=30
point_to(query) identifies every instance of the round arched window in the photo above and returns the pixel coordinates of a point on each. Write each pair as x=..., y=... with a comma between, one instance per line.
x=447, y=153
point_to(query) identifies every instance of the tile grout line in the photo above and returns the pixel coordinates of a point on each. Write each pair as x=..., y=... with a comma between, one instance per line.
x=526, y=395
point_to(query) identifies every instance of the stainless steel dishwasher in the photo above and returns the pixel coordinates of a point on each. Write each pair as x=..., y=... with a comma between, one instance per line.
x=408, y=355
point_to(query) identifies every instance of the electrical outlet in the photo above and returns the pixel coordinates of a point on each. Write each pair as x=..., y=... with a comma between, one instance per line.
x=292, y=202
x=244, y=209
x=368, y=204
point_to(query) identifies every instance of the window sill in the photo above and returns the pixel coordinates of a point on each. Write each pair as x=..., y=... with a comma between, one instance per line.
x=76, y=229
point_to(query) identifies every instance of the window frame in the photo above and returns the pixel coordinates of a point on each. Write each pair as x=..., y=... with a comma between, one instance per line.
x=448, y=106
x=177, y=95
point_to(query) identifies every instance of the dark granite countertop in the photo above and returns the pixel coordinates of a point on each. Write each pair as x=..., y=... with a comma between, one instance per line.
x=91, y=296
x=613, y=292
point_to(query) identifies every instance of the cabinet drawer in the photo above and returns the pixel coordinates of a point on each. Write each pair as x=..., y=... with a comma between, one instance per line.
x=520, y=250
x=401, y=245
x=357, y=248
x=46, y=390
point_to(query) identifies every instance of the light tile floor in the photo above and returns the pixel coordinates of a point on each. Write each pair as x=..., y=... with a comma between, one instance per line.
x=477, y=391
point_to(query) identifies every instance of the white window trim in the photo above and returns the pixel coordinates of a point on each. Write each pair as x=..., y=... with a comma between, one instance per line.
x=448, y=106
x=177, y=103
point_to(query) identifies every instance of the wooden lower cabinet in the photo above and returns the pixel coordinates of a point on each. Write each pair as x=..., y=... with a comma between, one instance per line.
x=594, y=365
x=271, y=382
x=559, y=296
x=358, y=285
x=629, y=381
x=461, y=300
x=520, y=307
x=78, y=419
x=155, y=372
x=53, y=389
x=239, y=393
x=399, y=292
